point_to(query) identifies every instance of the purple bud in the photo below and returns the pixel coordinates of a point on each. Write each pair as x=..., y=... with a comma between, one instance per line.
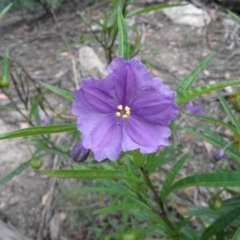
x=218, y=155
x=46, y=121
x=195, y=110
x=79, y=153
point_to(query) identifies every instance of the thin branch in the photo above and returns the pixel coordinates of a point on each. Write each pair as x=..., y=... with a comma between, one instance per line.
x=158, y=199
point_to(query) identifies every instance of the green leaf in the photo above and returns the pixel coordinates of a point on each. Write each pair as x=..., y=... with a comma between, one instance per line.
x=67, y=95
x=172, y=174
x=122, y=207
x=182, y=224
x=112, y=17
x=234, y=16
x=4, y=108
x=34, y=111
x=157, y=160
x=123, y=48
x=190, y=232
x=35, y=103
x=151, y=8
x=6, y=64
x=85, y=20
x=15, y=172
x=187, y=82
x=217, y=141
x=214, y=120
x=39, y=131
x=226, y=179
x=220, y=223
x=138, y=157
x=89, y=174
x=228, y=111
x=237, y=235
x=192, y=93
x=5, y=10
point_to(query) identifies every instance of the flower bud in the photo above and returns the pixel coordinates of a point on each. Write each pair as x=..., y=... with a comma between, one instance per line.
x=4, y=83
x=36, y=163
x=121, y=160
x=215, y=203
x=218, y=155
x=79, y=153
x=45, y=121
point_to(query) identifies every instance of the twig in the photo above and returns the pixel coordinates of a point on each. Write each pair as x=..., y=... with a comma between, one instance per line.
x=158, y=199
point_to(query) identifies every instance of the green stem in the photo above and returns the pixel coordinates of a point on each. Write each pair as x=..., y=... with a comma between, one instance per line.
x=158, y=199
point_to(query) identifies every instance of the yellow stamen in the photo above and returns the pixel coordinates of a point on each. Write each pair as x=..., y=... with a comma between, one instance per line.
x=118, y=114
x=128, y=112
x=127, y=108
x=120, y=107
x=124, y=116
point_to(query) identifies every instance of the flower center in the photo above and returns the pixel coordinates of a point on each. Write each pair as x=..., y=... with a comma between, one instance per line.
x=123, y=112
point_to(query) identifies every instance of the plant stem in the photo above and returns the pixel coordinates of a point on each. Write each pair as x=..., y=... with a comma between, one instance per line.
x=158, y=199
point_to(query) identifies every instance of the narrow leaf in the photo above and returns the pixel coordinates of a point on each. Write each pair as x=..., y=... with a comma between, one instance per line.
x=187, y=82
x=234, y=16
x=34, y=111
x=6, y=64
x=220, y=223
x=89, y=174
x=217, y=121
x=172, y=174
x=5, y=10
x=39, y=131
x=123, y=48
x=192, y=93
x=67, y=95
x=237, y=235
x=226, y=179
x=4, y=108
x=228, y=111
x=151, y=166
x=15, y=172
x=126, y=206
x=152, y=8
x=111, y=17
x=34, y=105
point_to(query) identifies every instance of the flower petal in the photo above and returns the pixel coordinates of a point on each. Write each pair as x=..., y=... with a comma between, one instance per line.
x=94, y=95
x=128, y=78
x=102, y=134
x=155, y=104
x=142, y=135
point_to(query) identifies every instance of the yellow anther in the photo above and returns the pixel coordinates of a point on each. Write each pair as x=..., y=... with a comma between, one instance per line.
x=127, y=113
x=118, y=114
x=124, y=116
x=127, y=108
x=120, y=107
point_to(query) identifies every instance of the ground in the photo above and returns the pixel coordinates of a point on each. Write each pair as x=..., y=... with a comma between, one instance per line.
x=172, y=50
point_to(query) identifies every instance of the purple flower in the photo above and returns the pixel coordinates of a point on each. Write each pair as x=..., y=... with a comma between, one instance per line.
x=79, y=153
x=45, y=121
x=127, y=110
x=195, y=110
x=219, y=154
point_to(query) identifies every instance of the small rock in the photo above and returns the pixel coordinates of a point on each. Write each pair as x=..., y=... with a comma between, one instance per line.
x=188, y=15
x=3, y=205
x=90, y=64
x=13, y=201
